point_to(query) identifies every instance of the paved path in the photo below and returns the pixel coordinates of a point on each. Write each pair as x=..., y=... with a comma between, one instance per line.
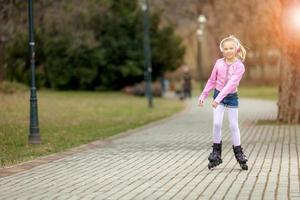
x=169, y=161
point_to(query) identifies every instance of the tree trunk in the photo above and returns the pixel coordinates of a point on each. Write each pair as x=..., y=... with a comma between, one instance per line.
x=289, y=87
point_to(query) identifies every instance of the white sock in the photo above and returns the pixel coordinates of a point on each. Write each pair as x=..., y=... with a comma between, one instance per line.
x=233, y=118
x=217, y=124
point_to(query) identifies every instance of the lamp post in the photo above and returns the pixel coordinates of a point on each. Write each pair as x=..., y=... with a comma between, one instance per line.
x=34, y=136
x=200, y=33
x=147, y=52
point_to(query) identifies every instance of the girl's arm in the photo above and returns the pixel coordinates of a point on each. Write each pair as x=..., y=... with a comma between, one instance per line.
x=211, y=83
x=232, y=83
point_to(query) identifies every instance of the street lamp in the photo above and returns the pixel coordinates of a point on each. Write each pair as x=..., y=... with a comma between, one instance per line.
x=147, y=51
x=200, y=33
x=34, y=136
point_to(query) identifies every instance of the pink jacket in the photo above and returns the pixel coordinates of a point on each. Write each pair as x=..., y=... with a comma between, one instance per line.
x=224, y=78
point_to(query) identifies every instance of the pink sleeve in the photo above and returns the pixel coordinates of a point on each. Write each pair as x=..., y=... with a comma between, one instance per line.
x=232, y=83
x=211, y=83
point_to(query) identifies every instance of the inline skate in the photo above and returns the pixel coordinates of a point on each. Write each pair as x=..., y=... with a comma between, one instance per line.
x=215, y=156
x=240, y=157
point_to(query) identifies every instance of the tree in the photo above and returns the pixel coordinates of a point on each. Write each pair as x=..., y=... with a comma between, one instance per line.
x=8, y=15
x=120, y=34
x=12, y=20
x=3, y=17
x=165, y=59
x=65, y=57
x=95, y=46
x=69, y=53
x=289, y=88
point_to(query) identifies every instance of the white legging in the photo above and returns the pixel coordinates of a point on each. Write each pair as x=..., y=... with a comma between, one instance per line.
x=233, y=124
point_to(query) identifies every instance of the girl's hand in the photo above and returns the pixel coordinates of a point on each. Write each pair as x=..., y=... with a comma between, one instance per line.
x=215, y=104
x=200, y=102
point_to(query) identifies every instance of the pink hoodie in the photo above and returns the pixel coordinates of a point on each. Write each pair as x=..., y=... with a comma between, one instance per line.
x=224, y=78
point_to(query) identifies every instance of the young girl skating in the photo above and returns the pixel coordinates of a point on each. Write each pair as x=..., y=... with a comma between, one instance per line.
x=225, y=78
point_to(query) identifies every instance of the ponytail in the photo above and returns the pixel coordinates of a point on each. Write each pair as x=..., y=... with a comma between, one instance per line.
x=242, y=53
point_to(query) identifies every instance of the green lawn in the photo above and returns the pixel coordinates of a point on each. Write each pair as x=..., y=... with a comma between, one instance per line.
x=68, y=119
x=261, y=92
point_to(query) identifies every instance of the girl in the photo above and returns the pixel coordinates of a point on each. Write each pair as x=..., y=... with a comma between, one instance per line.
x=225, y=78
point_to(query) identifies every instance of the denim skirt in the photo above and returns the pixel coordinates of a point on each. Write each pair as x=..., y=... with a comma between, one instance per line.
x=231, y=100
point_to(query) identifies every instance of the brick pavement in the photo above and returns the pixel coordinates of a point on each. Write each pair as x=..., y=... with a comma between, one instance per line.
x=168, y=160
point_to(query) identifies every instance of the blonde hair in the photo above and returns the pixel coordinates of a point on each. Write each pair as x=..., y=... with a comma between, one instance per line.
x=240, y=48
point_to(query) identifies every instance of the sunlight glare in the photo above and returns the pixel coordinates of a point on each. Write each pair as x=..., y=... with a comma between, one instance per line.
x=293, y=18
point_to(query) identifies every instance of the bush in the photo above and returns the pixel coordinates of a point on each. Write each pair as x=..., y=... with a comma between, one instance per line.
x=12, y=87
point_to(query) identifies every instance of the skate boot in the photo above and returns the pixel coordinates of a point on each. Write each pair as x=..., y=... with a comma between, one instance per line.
x=215, y=156
x=240, y=157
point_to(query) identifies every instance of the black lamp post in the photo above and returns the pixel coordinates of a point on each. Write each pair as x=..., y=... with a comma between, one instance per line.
x=200, y=33
x=147, y=52
x=34, y=136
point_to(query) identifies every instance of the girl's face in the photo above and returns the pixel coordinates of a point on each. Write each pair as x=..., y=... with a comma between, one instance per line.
x=229, y=50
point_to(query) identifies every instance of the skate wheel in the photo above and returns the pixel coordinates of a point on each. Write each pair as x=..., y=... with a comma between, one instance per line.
x=244, y=167
x=210, y=166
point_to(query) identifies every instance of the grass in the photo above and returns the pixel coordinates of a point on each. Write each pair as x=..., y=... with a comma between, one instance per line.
x=261, y=92
x=271, y=122
x=69, y=119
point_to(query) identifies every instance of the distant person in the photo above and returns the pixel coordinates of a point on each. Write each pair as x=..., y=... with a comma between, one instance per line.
x=186, y=83
x=162, y=81
x=224, y=79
